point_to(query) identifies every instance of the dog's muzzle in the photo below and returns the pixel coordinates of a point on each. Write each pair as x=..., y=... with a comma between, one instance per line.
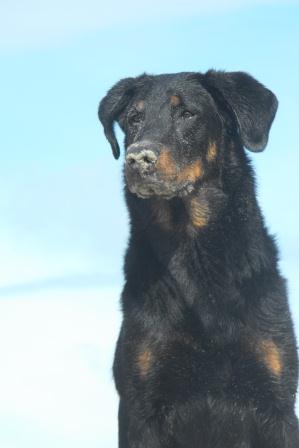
x=140, y=168
x=144, y=176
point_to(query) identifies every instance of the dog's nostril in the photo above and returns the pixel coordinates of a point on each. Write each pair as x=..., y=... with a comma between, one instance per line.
x=147, y=157
x=148, y=160
x=141, y=160
x=131, y=161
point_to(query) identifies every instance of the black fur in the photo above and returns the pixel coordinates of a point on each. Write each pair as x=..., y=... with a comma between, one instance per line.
x=206, y=356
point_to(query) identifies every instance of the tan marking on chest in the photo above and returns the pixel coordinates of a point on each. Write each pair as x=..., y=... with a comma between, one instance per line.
x=144, y=361
x=271, y=355
x=199, y=212
x=212, y=152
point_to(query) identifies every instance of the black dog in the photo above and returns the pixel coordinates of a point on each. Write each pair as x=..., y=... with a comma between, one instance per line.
x=206, y=357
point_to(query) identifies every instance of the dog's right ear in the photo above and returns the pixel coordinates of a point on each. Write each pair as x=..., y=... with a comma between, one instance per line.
x=252, y=104
x=111, y=107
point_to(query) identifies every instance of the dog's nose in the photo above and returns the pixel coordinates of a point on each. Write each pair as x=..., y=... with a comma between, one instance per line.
x=142, y=160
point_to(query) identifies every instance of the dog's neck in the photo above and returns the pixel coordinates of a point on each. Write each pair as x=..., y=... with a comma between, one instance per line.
x=190, y=248
x=168, y=227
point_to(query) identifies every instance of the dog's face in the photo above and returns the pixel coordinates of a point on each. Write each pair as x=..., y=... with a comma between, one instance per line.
x=170, y=125
x=174, y=126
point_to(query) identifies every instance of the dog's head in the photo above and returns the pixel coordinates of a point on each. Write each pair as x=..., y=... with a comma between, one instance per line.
x=175, y=124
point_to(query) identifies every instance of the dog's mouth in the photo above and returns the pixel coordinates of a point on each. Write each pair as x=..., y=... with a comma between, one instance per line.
x=148, y=186
x=148, y=175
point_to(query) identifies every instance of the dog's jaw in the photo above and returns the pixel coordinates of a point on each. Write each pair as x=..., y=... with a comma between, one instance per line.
x=160, y=189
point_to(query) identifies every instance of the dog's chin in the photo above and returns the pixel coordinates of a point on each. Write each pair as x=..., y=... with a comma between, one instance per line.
x=145, y=190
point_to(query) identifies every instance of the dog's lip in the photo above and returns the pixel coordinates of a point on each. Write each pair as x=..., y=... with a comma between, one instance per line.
x=160, y=189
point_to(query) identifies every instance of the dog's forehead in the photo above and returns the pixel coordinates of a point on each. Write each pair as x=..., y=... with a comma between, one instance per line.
x=165, y=87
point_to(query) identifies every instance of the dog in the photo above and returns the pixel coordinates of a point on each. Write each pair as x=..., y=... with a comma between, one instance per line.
x=206, y=356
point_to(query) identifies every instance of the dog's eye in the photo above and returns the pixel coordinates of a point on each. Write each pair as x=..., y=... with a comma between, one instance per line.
x=134, y=119
x=187, y=114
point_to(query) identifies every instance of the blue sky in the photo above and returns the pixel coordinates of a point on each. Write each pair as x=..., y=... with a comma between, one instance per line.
x=63, y=226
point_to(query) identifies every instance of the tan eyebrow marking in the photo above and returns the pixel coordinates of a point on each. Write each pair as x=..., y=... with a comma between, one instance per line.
x=175, y=100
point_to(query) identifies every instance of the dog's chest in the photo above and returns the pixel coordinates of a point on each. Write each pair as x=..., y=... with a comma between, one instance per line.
x=183, y=367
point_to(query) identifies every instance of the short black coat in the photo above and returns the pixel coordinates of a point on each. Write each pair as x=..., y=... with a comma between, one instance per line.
x=206, y=356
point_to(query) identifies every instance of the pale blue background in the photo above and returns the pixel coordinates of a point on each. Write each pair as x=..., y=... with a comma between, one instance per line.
x=63, y=225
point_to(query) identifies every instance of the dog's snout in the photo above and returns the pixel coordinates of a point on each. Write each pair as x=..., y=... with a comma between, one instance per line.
x=142, y=160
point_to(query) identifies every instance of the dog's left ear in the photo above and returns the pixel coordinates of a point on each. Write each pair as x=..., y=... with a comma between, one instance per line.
x=111, y=107
x=253, y=105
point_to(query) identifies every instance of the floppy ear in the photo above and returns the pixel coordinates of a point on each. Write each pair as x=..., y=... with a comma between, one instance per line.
x=253, y=105
x=112, y=105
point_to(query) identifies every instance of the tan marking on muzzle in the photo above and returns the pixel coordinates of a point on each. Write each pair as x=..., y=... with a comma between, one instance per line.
x=167, y=167
x=199, y=212
x=144, y=361
x=271, y=355
x=175, y=100
x=212, y=152
x=191, y=172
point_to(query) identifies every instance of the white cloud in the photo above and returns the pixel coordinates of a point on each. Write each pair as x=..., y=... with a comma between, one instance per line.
x=23, y=261
x=34, y=23
x=56, y=354
x=52, y=224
